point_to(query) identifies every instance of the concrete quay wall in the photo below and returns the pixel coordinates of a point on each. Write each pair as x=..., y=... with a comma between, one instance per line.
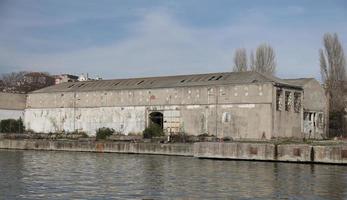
x=95, y=146
x=295, y=153
x=237, y=150
x=301, y=153
x=330, y=154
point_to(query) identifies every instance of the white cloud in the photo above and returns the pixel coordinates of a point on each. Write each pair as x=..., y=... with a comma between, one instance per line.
x=160, y=45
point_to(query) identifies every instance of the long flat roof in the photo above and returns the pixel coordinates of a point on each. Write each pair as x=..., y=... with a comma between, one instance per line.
x=167, y=82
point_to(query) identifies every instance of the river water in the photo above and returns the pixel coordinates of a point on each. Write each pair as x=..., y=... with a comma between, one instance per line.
x=77, y=175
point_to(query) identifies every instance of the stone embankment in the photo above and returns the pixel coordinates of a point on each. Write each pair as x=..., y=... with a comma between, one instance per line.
x=335, y=153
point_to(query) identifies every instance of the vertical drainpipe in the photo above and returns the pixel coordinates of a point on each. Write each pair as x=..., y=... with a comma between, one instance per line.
x=273, y=109
x=302, y=113
x=217, y=93
x=207, y=108
x=74, y=112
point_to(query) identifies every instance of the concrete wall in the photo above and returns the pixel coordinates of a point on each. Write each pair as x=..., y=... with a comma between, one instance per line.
x=122, y=119
x=314, y=96
x=12, y=105
x=237, y=111
x=287, y=123
x=330, y=154
x=294, y=152
x=93, y=146
x=249, y=151
x=315, y=109
x=11, y=114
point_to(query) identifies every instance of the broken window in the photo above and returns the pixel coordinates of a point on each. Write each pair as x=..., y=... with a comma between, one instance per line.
x=320, y=120
x=306, y=116
x=297, y=102
x=279, y=100
x=288, y=101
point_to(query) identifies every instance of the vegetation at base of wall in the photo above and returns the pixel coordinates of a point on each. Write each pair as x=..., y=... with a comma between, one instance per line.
x=79, y=134
x=104, y=133
x=180, y=137
x=205, y=135
x=153, y=130
x=12, y=126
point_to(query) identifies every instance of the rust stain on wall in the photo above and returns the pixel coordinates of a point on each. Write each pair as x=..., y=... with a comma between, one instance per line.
x=99, y=147
x=297, y=152
x=253, y=150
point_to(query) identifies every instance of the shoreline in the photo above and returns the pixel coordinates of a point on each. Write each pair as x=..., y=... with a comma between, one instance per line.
x=245, y=151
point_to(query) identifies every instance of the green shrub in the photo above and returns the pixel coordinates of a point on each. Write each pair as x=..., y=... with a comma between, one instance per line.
x=12, y=126
x=153, y=130
x=103, y=133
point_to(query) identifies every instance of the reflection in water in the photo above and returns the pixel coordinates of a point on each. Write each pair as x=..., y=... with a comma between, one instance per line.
x=73, y=175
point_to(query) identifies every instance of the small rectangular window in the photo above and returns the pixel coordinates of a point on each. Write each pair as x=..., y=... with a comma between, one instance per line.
x=288, y=100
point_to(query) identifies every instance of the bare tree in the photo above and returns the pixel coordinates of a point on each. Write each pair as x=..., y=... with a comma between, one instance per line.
x=13, y=79
x=333, y=71
x=240, y=60
x=252, y=61
x=265, y=61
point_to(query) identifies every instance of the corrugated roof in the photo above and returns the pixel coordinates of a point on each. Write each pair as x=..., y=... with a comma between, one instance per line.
x=166, y=82
x=298, y=81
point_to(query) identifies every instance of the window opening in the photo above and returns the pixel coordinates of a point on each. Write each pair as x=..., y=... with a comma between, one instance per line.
x=297, y=102
x=279, y=94
x=288, y=100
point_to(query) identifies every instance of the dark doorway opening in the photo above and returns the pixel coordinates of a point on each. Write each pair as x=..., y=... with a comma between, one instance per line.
x=156, y=118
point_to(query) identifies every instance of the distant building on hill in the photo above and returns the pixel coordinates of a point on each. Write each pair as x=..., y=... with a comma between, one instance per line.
x=63, y=78
x=83, y=77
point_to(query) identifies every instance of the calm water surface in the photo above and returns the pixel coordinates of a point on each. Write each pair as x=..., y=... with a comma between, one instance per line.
x=75, y=175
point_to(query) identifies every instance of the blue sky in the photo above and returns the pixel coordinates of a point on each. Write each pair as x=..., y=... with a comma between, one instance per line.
x=115, y=39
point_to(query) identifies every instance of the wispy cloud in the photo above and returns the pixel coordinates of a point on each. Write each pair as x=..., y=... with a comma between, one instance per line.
x=158, y=42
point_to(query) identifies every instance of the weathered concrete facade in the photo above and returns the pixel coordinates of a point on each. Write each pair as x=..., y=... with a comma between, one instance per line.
x=12, y=105
x=237, y=105
x=315, y=107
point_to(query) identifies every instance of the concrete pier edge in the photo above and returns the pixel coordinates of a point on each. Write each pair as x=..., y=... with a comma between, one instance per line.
x=247, y=151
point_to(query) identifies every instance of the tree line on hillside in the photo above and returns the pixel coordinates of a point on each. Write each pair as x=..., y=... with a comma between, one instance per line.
x=24, y=81
x=333, y=71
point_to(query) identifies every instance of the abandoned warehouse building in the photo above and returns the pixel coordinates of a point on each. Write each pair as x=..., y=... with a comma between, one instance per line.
x=234, y=104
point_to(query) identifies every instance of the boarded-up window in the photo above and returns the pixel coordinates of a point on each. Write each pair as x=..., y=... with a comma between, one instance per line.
x=288, y=101
x=226, y=117
x=297, y=102
x=279, y=100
